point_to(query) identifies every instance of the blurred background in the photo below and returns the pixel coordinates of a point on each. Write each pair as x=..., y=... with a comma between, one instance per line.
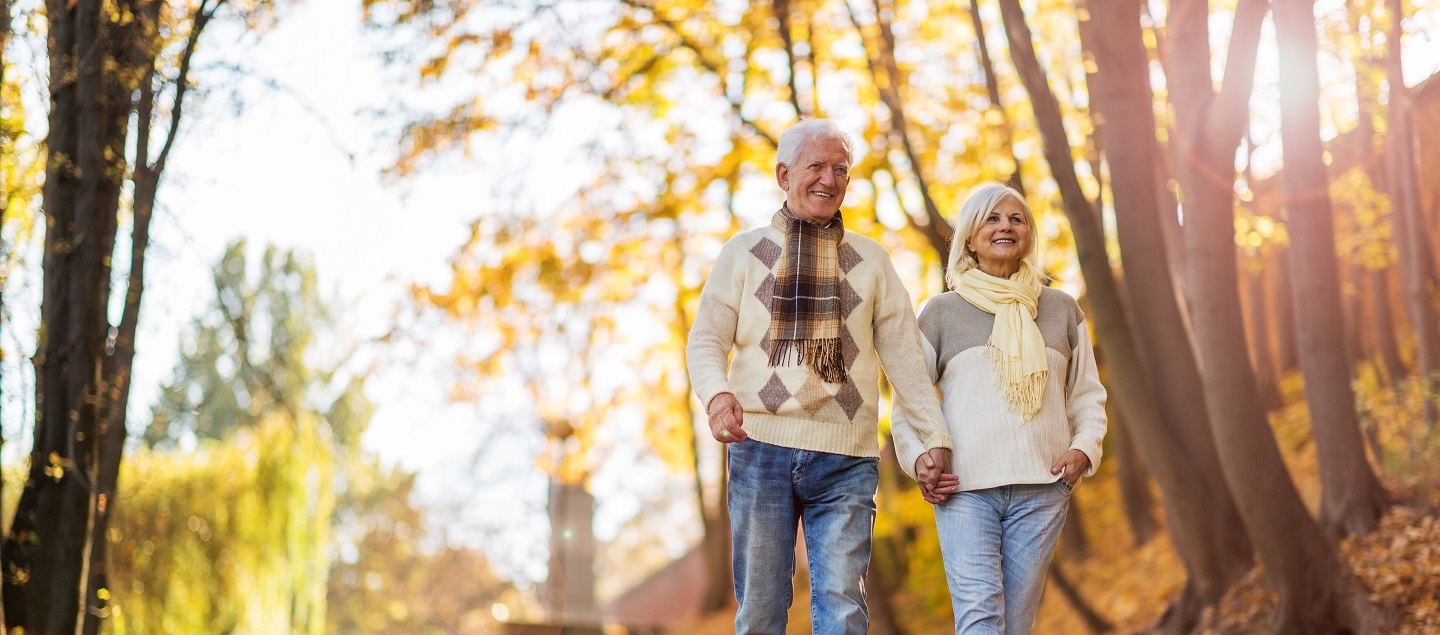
x=368, y=316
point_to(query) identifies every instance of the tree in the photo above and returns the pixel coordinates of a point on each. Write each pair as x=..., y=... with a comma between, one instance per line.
x=1160, y=398
x=1352, y=498
x=110, y=65
x=1416, y=267
x=386, y=578
x=1317, y=594
x=257, y=563
x=254, y=354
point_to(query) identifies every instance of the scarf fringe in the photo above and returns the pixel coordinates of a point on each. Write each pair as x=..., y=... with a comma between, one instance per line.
x=1023, y=395
x=824, y=357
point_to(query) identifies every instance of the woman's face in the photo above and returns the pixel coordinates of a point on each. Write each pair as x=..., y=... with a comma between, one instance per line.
x=1003, y=237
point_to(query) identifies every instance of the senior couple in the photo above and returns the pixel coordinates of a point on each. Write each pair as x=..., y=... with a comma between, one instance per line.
x=998, y=409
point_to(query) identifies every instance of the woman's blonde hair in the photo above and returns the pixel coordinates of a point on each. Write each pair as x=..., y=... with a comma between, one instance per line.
x=978, y=205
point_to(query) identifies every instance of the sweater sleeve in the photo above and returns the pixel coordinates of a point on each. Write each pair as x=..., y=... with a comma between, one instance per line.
x=712, y=336
x=916, y=422
x=908, y=445
x=1085, y=400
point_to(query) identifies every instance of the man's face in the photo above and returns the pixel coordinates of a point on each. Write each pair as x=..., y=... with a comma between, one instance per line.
x=815, y=185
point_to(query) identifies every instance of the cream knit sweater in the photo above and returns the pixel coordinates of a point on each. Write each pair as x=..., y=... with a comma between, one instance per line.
x=790, y=406
x=993, y=445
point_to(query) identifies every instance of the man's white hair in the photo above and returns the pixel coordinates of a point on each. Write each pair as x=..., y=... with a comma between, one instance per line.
x=806, y=131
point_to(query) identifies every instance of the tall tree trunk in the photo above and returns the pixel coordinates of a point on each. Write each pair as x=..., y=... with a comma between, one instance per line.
x=57, y=546
x=715, y=534
x=1256, y=303
x=886, y=75
x=1316, y=592
x=1375, y=282
x=1351, y=304
x=886, y=575
x=1287, y=356
x=1134, y=483
x=1379, y=288
x=1207, y=530
x=992, y=90
x=43, y=551
x=783, y=15
x=1258, y=336
x=1352, y=499
x=88, y=117
x=1092, y=619
x=1417, y=271
x=5, y=187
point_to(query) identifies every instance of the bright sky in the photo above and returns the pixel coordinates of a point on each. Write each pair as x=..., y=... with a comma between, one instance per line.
x=300, y=168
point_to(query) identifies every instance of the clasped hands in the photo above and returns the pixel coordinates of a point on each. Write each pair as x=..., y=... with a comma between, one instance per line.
x=937, y=480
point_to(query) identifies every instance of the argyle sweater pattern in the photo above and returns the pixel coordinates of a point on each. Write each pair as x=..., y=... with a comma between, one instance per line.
x=790, y=405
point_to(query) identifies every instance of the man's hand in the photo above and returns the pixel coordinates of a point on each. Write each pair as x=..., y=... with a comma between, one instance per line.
x=726, y=418
x=932, y=471
x=1072, y=465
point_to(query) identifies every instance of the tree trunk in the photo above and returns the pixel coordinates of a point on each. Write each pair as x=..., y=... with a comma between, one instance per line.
x=992, y=90
x=782, y=15
x=57, y=546
x=1092, y=619
x=1379, y=288
x=1287, y=357
x=1074, y=545
x=1352, y=304
x=43, y=552
x=1416, y=268
x=886, y=575
x=4, y=212
x=886, y=75
x=1352, y=499
x=1316, y=592
x=1175, y=437
x=1134, y=483
x=1258, y=336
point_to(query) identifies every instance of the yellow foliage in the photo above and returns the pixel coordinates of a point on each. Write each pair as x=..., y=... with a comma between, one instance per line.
x=1364, y=232
x=234, y=537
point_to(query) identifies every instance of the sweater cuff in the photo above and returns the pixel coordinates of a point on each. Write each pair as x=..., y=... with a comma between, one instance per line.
x=907, y=453
x=709, y=391
x=1092, y=449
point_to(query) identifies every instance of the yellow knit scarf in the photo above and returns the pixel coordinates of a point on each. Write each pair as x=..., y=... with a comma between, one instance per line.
x=1016, y=347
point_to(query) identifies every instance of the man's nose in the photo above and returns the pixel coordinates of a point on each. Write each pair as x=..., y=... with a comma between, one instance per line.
x=827, y=177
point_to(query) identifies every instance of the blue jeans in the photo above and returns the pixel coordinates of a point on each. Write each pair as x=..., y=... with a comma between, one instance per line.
x=997, y=544
x=772, y=489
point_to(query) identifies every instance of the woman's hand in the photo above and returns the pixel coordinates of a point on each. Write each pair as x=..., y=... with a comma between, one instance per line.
x=932, y=472
x=1072, y=465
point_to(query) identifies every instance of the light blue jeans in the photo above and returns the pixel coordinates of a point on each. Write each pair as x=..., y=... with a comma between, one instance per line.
x=774, y=489
x=997, y=544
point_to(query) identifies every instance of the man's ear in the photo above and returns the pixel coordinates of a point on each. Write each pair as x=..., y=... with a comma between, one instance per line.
x=782, y=176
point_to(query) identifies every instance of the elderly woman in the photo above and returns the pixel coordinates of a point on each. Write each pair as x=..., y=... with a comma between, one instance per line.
x=1013, y=363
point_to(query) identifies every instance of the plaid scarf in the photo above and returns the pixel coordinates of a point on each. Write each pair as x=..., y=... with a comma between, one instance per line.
x=805, y=304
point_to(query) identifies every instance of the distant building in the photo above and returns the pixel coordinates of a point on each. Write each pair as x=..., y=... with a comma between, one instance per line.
x=669, y=597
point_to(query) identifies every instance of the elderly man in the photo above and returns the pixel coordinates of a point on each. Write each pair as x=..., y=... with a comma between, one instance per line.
x=811, y=312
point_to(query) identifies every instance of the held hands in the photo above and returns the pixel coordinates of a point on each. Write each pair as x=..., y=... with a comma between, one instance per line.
x=1072, y=465
x=932, y=472
x=726, y=417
